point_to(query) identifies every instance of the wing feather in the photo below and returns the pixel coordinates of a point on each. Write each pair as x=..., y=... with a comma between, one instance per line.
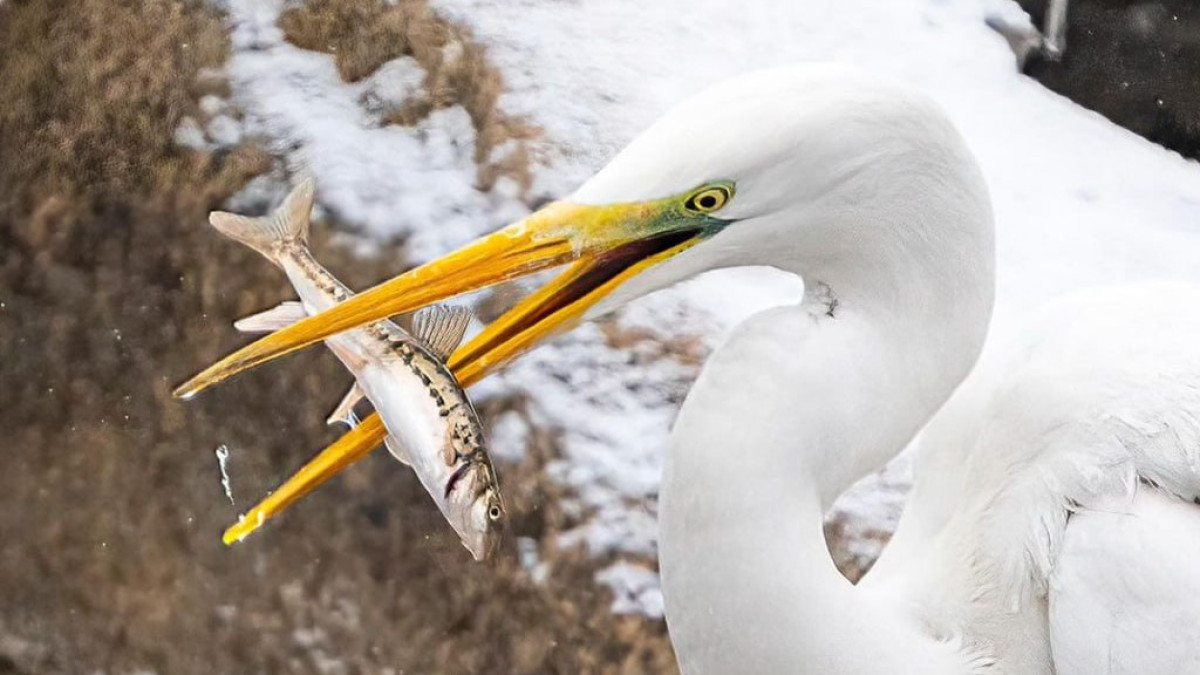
x=1125, y=594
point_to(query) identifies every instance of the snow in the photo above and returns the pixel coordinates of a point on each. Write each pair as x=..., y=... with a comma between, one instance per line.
x=220, y=130
x=527, y=550
x=635, y=589
x=1078, y=201
x=509, y=437
x=416, y=183
x=189, y=135
x=225, y=131
x=211, y=104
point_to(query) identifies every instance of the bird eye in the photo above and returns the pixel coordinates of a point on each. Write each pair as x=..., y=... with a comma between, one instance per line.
x=494, y=512
x=708, y=199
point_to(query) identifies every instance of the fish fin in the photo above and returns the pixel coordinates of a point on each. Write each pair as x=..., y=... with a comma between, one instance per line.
x=280, y=316
x=288, y=223
x=441, y=328
x=397, y=450
x=344, y=412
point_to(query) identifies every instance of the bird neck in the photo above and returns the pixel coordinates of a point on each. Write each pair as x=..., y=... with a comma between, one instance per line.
x=793, y=409
x=797, y=405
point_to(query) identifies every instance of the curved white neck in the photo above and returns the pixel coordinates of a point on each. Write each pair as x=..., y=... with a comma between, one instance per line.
x=786, y=415
x=794, y=408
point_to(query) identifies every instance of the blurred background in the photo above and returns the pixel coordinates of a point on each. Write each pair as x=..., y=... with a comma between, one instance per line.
x=426, y=123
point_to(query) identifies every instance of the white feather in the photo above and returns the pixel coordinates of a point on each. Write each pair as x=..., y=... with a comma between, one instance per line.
x=1123, y=596
x=1039, y=466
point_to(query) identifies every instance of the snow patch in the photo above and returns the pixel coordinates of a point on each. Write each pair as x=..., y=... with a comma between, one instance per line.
x=635, y=589
x=189, y=135
x=509, y=437
x=531, y=562
x=415, y=183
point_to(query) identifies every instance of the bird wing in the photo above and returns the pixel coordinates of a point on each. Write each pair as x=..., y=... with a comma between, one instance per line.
x=1125, y=593
x=1098, y=393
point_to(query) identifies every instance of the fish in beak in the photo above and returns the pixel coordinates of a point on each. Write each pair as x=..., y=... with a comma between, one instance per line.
x=600, y=246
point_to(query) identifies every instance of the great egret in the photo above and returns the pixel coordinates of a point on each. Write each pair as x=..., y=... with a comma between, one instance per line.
x=1051, y=527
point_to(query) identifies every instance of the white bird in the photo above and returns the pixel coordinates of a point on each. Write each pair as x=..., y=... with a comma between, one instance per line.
x=1052, y=527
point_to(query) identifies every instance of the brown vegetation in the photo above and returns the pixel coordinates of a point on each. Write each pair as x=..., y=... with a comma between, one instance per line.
x=113, y=288
x=364, y=34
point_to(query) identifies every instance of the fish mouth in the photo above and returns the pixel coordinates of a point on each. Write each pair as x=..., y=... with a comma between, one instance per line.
x=599, y=247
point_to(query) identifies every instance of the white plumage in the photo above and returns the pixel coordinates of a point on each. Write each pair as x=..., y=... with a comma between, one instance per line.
x=1051, y=528
x=1061, y=528
x=1122, y=596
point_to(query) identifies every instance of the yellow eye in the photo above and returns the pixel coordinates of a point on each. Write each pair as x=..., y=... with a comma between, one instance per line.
x=708, y=199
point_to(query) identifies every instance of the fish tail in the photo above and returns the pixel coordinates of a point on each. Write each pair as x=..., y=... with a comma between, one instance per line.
x=271, y=233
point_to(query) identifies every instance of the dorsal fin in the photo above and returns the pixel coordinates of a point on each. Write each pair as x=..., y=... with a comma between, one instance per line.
x=441, y=328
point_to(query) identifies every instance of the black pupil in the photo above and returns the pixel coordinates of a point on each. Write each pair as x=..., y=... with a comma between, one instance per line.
x=494, y=512
x=708, y=201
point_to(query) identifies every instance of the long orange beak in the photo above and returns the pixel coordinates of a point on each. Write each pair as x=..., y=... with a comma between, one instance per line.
x=604, y=246
x=608, y=244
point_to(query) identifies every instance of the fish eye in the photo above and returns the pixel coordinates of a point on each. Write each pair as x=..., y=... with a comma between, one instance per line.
x=708, y=199
x=494, y=512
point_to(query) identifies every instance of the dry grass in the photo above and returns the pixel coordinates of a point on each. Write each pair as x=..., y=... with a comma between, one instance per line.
x=112, y=288
x=362, y=34
x=94, y=115
x=365, y=34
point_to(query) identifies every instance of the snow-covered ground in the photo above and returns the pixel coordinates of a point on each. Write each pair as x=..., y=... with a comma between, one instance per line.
x=389, y=181
x=1078, y=200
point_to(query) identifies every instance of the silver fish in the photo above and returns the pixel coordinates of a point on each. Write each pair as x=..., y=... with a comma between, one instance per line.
x=431, y=423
